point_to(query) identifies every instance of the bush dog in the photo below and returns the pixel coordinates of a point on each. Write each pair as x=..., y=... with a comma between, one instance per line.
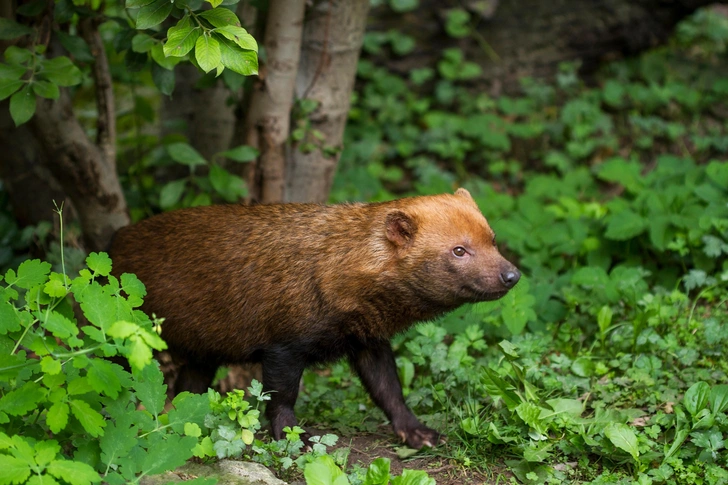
x=294, y=285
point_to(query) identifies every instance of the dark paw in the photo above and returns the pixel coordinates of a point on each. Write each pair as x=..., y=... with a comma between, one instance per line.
x=421, y=436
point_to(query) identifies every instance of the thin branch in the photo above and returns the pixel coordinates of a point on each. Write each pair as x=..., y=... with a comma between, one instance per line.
x=106, y=124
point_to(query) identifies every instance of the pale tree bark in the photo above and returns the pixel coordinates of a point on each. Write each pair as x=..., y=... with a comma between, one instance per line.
x=268, y=117
x=332, y=40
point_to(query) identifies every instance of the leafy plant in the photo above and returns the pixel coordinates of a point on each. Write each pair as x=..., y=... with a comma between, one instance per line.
x=66, y=411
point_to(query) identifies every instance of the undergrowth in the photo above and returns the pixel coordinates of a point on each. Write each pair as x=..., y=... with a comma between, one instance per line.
x=606, y=363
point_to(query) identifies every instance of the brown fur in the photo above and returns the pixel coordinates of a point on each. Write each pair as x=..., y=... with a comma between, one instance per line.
x=293, y=285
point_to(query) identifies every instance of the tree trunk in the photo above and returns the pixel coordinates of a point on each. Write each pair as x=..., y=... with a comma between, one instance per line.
x=268, y=117
x=521, y=38
x=203, y=115
x=82, y=169
x=332, y=40
x=30, y=186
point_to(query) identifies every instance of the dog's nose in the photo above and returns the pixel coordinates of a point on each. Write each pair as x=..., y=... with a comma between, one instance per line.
x=510, y=278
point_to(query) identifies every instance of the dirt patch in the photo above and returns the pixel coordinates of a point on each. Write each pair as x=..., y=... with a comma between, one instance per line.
x=366, y=447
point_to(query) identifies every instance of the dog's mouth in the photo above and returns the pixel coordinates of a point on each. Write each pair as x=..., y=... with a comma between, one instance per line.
x=476, y=295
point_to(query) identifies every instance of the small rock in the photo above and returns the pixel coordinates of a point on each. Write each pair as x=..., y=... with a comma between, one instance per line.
x=227, y=472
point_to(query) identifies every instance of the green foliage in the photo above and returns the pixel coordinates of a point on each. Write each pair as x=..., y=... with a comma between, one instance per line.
x=66, y=412
x=212, y=39
x=611, y=199
x=207, y=181
x=324, y=471
x=27, y=74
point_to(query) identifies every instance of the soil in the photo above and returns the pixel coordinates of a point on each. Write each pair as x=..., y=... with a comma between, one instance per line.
x=366, y=447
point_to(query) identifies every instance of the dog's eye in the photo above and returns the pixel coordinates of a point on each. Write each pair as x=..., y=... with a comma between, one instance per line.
x=494, y=240
x=459, y=251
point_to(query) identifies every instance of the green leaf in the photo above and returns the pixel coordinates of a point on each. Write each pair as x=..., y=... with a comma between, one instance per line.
x=134, y=288
x=16, y=55
x=161, y=58
x=183, y=153
x=99, y=307
x=122, y=329
x=13, y=470
x=626, y=173
x=696, y=397
x=59, y=325
x=22, y=400
x=61, y=71
x=517, y=307
x=583, y=367
x=413, y=477
x=46, y=89
x=90, y=419
x=457, y=23
x=238, y=35
x=242, y=153
x=8, y=87
x=79, y=385
x=378, y=472
x=76, y=46
x=207, y=52
x=99, y=263
x=9, y=321
x=11, y=72
x=73, y=472
x=181, y=38
x=9, y=29
x=103, y=377
x=221, y=17
x=624, y=225
x=604, y=318
x=168, y=454
x=49, y=365
x=153, y=14
x=46, y=451
x=562, y=407
x=204, y=448
x=495, y=386
x=214, y=3
x=137, y=3
x=163, y=78
x=530, y=414
x=718, y=173
x=324, y=471
x=404, y=5
x=718, y=398
x=55, y=287
x=192, y=429
x=142, y=42
x=150, y=389
x=238, y=60
x=229, y=186
x=22, y=106
x=623, y=438
x=119, y=438
x=189, y=408
x=57, y=417
x=171, y=193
